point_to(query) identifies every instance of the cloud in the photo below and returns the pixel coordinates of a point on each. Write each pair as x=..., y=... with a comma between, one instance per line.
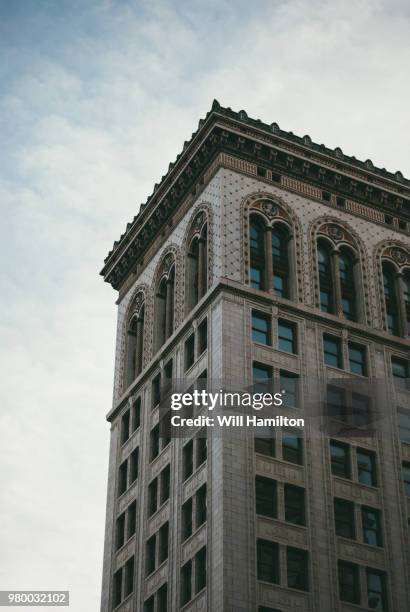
x=97, y=99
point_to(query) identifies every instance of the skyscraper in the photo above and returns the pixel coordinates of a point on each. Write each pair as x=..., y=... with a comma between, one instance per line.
x=261, y=255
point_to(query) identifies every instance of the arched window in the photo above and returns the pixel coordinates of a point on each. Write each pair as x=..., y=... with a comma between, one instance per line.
x=324, y=262
x=164, y=306
x=134, y=345
x=270, y=256
x=257, y=252
x=337, y=278
x=197, y=266
x=347, y=284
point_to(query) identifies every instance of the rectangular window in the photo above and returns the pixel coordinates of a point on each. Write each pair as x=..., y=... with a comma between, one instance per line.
x=156, y=390
x=265, y=494
x=366, y=467
x=256, y=278
x=162, y=598
x=340, y=459
x=165, y=478
x=376, y=589
x=122, y=477
x=186, y=582
x=152, y=497
x=265, y=446
x=129, y=577
x=163, y=542
x=201, y=506
x=406, y=478
x=372, y=527
x=120, y=531
x=134, y=461
x=357, y=359
x=403, y=417
x=190, y=351
x=150, y=555
x=203, y=336
x=117, y=588
x=292, y=447
x=361, y=412
x=200, y=570
x=149, y=604
x=289, y=386
x=345, y=525
x=188, y=460
x=262, y=378
x=336, y=403
x=201, y=449
x=349, y=582
x=261, y=328
x=400, y=371
x=287, y=336
x=295, y=504
x=131, y=519
x=125, y=427
x=154, y=442
x=332, y=351
x=136, y=414
x=187, y=519
x=268, y=561
x=297, y=568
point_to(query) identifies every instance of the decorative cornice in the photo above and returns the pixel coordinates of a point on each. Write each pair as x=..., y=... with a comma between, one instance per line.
x=278, y=153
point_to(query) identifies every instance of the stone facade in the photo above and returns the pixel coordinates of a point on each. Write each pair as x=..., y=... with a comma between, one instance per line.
x=229, y=188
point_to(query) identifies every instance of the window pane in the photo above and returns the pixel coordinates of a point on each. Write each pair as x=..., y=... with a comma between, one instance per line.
x=265, y=493
x=344, y=518
x=357, y=359
x=289, y=385
x=292, y=447
x=268, y=561
x=265, y=446
x=260, y=328
x=372, y=532
x=376, y=590
x=404, y=425
x=332, y=351
x=366, y=467
x=406, y=478
x=286, y=336
x=294, y=504
x=340, y=459
x=297, y=568
x=349, y=584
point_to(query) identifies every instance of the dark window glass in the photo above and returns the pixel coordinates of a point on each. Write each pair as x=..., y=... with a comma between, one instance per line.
x=257, y=253
x=186, y=582
x=134, y=461
x=187, y=519
x=268, y=561
x=165, y=483
x=347, y=284
x=404, y=425
x=150, y=555
x=136, y=417
x=294, y=504
x=366, y=467
x=325, y=277
x=154, y=442
x=156, y=390
x=406, y=291
x=200, y=570
x=162, y=598
x=125, y=427
x=190, y=351
x=336, y=407
x=289, y=386
x=265, y=492
x=406, y=478
x=340, y=459
x=349, y=582
x=123, y=477
x=361, y=410
x=287, y=336
x=344, y=518
x=203, y=336
x=152, y=497
x=390, y=299
x=332, y=350
x=149, y=604
x=131, y=519
x=266, y=609
x=280, y=261
x=261, y=328
x=297, y=568
x=163, y=542
x=265, y=446
x=201, y=449
x=201, y=506
x=262, y=378
x=376, y=589
x=188, y=459
x=372, y=528
x=129, y=577
x=167, y=379
x=292, y=447
x=400, y=370
x=120, y=531
x=357, y=359
x=117, y=588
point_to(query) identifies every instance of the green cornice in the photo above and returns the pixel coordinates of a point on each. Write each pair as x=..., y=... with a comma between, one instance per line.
x=270, y=148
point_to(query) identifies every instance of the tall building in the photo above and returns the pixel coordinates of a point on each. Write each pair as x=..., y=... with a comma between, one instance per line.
x=262, y=255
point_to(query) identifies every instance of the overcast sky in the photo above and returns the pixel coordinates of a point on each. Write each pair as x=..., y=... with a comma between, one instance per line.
x=97, y=97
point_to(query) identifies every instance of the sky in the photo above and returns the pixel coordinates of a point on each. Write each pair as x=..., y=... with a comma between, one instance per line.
x=96, y=98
